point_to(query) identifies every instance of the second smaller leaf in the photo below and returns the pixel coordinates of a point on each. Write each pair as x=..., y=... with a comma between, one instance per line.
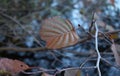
x=73, y=72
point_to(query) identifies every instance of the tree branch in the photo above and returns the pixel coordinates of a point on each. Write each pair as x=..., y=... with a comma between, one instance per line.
x=97, y=50
x=43, y=48
x=18, y=49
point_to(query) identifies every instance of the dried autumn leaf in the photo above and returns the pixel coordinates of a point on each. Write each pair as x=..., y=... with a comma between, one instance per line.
x=12, y=66
x=113, y=36
x=4, y=73
x=72, y=72
x=112, y=2
x=116, y=51
x=45, y=74
x=117, y=46
x=58, y=33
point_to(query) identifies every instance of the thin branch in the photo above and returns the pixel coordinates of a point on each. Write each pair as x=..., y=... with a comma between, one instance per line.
x=45, y=49
x=41, y=48
x=89, y=34
x=73, y=68
x=17, y=22
x=106, y=38
x=86, y=60
x=92, y=22
x=105, y=60
x=96, y=47
x=57, y=71
x=116, y=53
x=21, y=49
x=21, y=10
x=100, y=35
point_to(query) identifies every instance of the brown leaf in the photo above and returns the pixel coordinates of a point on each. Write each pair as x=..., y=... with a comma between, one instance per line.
x=12, y=66
x=113, y=36
x=118, y=48
x=46, y=74
x=115, y=48
x=112, y=2
x=73, y=72
x=58, y=33
x=4, y=73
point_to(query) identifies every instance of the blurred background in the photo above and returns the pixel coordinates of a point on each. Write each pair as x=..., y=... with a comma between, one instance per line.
x=20, y=22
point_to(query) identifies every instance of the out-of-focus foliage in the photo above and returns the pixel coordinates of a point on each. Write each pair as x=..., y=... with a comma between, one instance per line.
x=20, y=22
x=30, y=13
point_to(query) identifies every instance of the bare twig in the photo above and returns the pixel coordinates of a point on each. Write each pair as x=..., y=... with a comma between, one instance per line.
x=106, y=38
x=17, y=22
x=115, y=52
x=89, y=34
x=86, y=60
x=59, y=71
x=43, y=48
x=18, y=49
x=55, y=58
x=39, y=70
x=92, y=22
x=105, y=60
x=21, y=10
x=96, y=47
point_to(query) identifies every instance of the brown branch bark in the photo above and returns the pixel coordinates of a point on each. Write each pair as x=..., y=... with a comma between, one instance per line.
x=43, y=48
x=22, y=49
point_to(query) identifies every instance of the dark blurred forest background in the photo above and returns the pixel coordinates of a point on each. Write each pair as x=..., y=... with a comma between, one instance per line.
x=20, y=22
